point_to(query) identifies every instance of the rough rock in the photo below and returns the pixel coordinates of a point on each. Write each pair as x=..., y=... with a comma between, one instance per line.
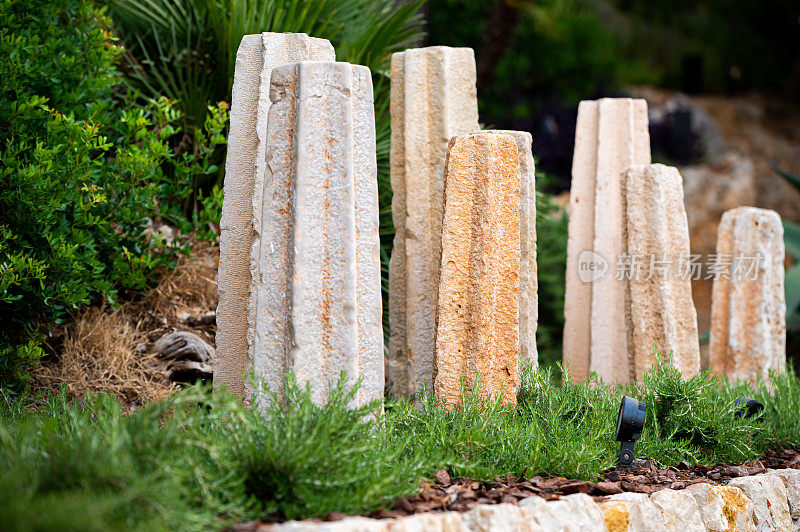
x=679, y=510
x=477, y=317
x=748, y=311
x=433, y=97
x=244, y=171
x=496, y=518
x=528, y=280
x=316, y=303
x=770, y=501
x=723, y=507
x=791, y=480
x=611, y=134
x=642, y=514
x=573, y=513
x=659, y=311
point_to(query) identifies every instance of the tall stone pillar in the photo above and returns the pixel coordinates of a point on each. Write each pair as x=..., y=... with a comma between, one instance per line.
x=477, y=323
x=528, y=280
x=748, y=307
x=659, y=311
x=316, y=302
x=433, y=98
x=611, y=134
x=244, y=178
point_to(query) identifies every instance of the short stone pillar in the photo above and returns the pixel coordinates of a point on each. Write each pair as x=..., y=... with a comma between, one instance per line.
x=244, y=178
x=433, y=97
x=528, y=279
x=748, y=306
x=477, y=331
x=317, y=298
x=611, y=135
x=659, y=310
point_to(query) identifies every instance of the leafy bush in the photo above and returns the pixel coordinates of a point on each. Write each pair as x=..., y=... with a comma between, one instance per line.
x=81, y=169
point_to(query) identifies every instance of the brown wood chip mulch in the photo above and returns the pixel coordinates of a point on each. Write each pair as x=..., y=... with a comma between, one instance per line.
x=461, y=494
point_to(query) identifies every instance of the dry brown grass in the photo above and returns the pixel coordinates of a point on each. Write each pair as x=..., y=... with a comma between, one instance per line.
x=104, y=350
x=99, y=354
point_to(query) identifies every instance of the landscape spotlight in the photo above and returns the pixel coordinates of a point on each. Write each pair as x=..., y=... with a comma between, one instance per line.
x=748, y=407
x=630, y=422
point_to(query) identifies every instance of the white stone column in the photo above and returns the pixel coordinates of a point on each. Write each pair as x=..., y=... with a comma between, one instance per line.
x=317, y=300
x=433, y=98
x=611, y=134
x=244, y=175
x=528, y=279
x=477, y=331
x=748, y=306
x=659, y=311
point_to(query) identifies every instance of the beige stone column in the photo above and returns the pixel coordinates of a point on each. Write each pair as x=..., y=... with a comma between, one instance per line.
x=659, y=311
x=748, y=307
x=433, y=97
x=528, y=280
x=477, y=322
x=611, y=134
x=317, y=300
x=244, y=175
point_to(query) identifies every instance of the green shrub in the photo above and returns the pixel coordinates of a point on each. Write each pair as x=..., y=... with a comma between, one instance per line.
x=81, y=169
x=196, y=461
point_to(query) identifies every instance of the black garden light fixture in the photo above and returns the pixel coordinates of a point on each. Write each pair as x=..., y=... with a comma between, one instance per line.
x=748, y=407
x=630, y=422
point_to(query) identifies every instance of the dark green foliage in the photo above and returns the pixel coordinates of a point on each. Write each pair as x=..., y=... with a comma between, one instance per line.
x=196, y=461
x=551, y=262
x=80, y=167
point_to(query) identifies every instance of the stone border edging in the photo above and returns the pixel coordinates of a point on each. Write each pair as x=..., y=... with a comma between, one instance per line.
x=769, y=501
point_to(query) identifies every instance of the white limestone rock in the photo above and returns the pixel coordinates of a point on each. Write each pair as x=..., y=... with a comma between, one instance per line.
x=723, y=507
x=791, y=479
x=573, y=513
x=679, y=510
x=244, y=176
x=643, y=516
x=316, y=301
x=770, y=501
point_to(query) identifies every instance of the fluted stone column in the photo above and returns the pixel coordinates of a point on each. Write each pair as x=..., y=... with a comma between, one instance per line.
x=477, y=322
x=317, y=300
x=433, y=98
x=748, y=307
x=244, y=177
x=528, y=279
x=611, y=134
x=659, y=310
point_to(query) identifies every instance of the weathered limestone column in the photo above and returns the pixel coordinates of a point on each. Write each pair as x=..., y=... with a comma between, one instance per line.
x=317, y=300
x=528, y=280
x=659, y=310
x=433, y=98
x=611, y=134
x=244, y=175
x=748, y=307
x=477, y=322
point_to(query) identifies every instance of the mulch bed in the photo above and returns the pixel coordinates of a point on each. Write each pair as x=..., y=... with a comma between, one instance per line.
x=644, y=476
x=461, y=494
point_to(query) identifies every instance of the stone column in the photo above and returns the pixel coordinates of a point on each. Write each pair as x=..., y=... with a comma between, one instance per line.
x=477, y=323
x=433, y=97
x=611, y=134
x=659, y=311
x=244, y=177
x=748, y=307
x=528, y=280
x=317, y=299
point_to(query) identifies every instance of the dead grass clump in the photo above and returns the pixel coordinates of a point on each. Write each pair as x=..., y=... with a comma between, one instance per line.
x=100, y=354
x=190, y=288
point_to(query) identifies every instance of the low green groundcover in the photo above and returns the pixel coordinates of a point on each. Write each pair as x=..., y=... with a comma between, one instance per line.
x=200, y=459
